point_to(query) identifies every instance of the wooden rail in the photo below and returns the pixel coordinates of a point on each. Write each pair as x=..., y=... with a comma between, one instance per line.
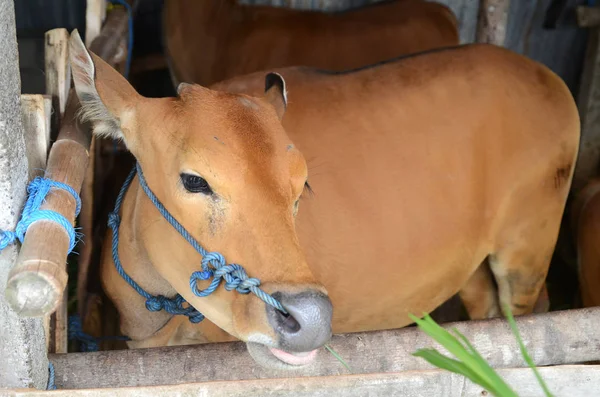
x=555, y=338
x=572, y=381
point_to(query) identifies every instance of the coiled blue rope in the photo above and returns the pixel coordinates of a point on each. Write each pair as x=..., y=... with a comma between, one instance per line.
x=51, y=377
x=213, y=264
x=37, y=191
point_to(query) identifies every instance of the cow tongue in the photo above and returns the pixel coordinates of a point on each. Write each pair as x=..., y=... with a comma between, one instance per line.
x=294, y=358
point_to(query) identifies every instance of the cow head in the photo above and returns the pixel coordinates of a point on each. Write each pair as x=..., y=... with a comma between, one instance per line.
x=224, y=167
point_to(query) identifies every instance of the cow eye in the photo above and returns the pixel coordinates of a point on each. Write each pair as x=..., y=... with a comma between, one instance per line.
x=195, y=184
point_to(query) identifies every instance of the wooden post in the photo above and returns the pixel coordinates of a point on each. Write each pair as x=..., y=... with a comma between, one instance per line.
x=58, y=69
x=95, y=12
x=37, y=137
x=588, y=162
x=491, y=25
x=58, y=84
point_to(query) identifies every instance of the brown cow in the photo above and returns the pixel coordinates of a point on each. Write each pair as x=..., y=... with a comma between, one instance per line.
x=586, y=228
x=212, y=40
x=424, y=183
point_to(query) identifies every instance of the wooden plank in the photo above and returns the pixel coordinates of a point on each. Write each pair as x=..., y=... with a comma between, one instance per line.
x=492, y=20
x=95, y=13
x=57, y=69
x=58, y=84
x=553, y=338
x=572, y=381
x=35, y=121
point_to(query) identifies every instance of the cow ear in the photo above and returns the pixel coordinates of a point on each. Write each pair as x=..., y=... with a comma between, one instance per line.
x=107, y=99
x=276, y=93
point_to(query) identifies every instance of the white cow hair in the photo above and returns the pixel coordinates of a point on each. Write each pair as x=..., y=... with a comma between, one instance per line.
x=92, y=108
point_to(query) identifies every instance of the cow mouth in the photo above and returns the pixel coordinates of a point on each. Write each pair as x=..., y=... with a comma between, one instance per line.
x=270, y=357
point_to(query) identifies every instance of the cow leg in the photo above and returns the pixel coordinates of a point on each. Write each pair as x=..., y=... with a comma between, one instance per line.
x=520, y=271
x=480, y=295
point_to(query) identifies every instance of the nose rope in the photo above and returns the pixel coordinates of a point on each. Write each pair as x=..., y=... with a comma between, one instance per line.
x=213, y=264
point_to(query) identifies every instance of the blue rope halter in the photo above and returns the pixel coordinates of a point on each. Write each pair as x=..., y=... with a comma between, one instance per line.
x=213, y=264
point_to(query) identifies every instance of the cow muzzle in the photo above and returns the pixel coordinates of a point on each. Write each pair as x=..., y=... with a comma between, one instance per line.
x=300, y=332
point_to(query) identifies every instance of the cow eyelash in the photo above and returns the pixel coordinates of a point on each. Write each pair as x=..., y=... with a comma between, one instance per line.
x=308, y=189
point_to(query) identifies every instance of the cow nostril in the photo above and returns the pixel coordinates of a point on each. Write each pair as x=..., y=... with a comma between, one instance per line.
x=306, y=325
x=288, y=322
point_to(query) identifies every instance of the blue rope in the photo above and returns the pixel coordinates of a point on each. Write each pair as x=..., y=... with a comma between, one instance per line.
x=213, y=264
x=51, y=377
x=37, y=191
x=87, y=342
x=130, y=33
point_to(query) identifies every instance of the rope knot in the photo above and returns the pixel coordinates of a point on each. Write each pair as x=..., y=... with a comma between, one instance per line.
x=213, y=258
x=6, y=238
x=203, y=275
x=196, y=317
x=155, y=303
x=114, y=220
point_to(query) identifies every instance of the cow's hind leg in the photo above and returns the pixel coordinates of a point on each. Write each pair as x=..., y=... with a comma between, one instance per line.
x=480, y=295
x=521, y=264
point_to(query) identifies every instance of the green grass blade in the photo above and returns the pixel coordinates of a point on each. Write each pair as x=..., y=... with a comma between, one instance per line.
x=524, y=353
x=473, y=366
x=437, y=359
x=455, y=347
x=339, y=358
x=492, y=374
